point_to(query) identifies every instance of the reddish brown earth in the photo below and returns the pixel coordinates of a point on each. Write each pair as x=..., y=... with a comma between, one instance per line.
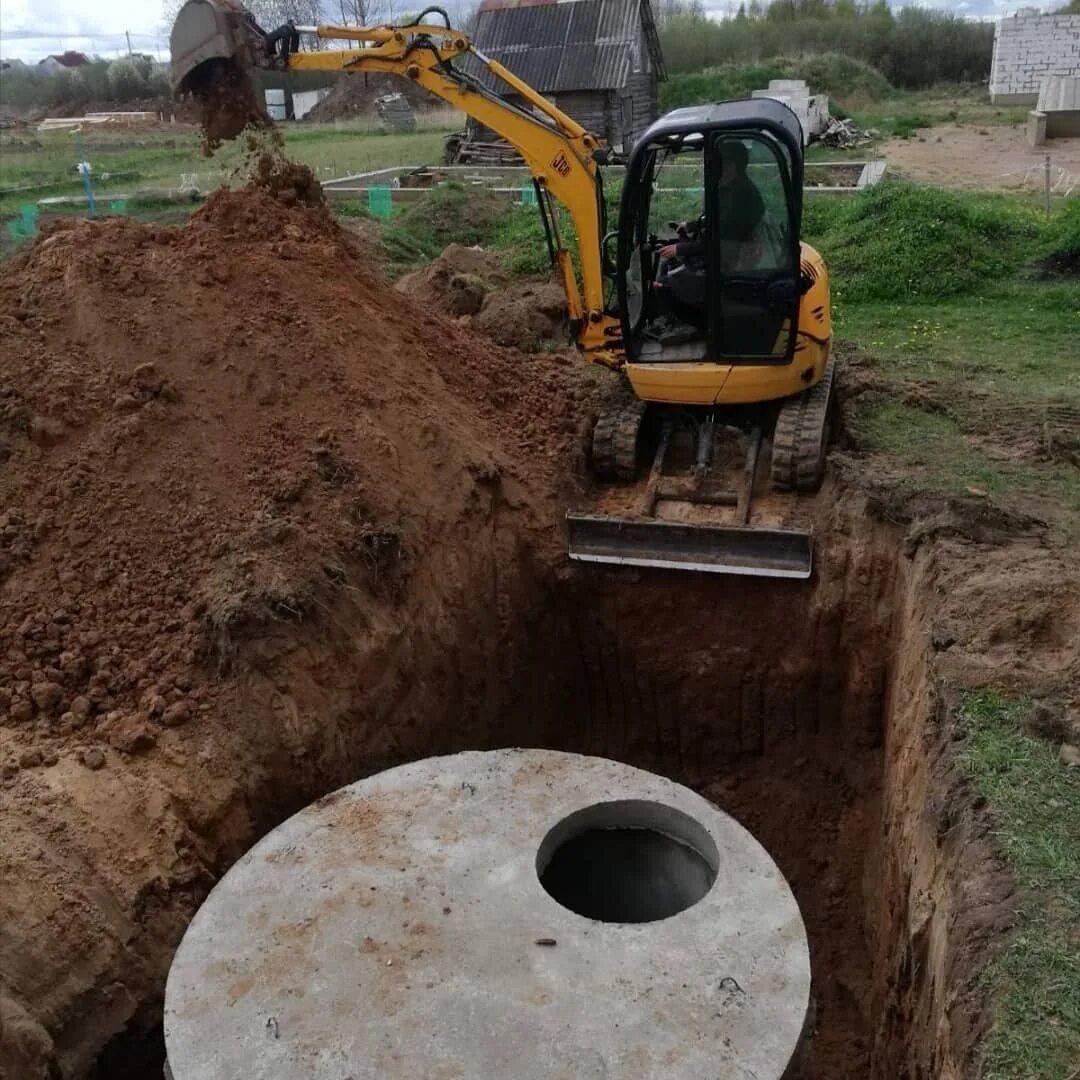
x=474, y=287
x=227, y=102
x=267, y=526
x=212, y=436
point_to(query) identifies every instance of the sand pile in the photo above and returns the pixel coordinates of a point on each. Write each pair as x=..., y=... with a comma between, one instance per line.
x=238, y=477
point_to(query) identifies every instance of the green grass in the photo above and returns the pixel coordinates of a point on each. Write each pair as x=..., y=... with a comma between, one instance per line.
x=1014, y=339
x=938, y=289
x=161, y=158
x=904, y=112
x=1034, y=802
x=940, y=454
x=826, y=73
x=855, y=89
x=917, y=242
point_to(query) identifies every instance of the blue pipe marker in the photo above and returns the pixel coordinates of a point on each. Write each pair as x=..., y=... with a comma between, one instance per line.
x=85, y=169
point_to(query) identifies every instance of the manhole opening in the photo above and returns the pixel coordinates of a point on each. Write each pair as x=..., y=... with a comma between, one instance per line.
x=629, y=861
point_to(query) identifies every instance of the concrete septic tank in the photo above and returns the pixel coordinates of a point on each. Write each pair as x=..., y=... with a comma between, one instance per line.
x=492, y=915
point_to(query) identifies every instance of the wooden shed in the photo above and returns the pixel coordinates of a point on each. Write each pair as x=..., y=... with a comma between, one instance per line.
x=598, y=60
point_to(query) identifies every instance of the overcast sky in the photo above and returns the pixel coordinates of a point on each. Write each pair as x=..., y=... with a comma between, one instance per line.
x=31, y=29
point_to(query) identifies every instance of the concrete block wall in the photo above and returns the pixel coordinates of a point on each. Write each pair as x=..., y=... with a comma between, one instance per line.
x=1027, y=48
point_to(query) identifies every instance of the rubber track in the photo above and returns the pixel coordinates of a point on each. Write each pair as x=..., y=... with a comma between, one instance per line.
x=615, y=442
x=798, y=435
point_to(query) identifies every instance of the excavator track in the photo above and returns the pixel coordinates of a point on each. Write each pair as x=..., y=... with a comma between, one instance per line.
x=615, y=442
x=800, y=437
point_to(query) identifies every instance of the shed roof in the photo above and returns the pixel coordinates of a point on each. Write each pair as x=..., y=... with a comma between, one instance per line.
x=561, y=45
x=69, y=59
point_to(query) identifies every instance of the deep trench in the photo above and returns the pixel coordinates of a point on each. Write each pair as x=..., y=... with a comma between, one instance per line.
x=771, y=699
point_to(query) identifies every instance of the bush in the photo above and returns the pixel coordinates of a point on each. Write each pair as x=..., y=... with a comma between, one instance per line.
x=716, y=84
x=903, y=240
x=916, y=48
x=1062, y=255
x=126, y=81
x=825, y=73
x=839, y=76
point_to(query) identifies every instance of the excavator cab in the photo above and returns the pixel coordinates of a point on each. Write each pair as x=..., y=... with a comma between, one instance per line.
x=722, y=185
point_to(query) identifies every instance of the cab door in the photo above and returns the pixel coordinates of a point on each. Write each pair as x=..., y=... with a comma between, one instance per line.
x=753, y=250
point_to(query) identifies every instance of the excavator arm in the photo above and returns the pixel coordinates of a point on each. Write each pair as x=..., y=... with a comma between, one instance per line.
x=560, y=153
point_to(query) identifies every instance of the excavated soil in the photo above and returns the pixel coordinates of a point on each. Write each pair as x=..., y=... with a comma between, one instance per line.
x=226, y=100
x=473, y=286
x=268, y=526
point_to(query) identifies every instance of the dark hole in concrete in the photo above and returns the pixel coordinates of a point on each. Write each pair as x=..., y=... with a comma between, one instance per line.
x=627, y=862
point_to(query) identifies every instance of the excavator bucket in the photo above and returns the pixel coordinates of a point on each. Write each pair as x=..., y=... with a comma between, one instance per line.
x=209, y=31
x=680, y=545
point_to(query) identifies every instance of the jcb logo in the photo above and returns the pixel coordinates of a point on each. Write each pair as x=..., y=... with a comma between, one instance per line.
x=561, y=164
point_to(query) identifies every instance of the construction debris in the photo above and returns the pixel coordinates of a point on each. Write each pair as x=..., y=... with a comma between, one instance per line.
x=97, y=119
x=845, y=134
x=811, y=109
x=395, y=113
x=459, y=149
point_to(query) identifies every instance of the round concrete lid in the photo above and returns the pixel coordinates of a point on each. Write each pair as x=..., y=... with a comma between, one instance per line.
x=398, y=928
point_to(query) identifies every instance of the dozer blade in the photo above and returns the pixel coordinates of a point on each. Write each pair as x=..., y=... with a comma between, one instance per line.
x=208, y=30
x=679, y=545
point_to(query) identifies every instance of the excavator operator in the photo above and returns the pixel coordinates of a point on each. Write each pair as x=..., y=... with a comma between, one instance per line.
x=739, y=210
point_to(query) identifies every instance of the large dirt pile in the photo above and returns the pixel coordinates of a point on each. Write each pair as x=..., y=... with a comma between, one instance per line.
x=246, y=495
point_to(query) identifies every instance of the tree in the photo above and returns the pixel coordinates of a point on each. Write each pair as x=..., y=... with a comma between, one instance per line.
x=361, y=12
x=667, y=10
x=269, y=13
x=126, y=81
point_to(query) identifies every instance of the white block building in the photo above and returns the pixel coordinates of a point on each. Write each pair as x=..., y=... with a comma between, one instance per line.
x=1028, y=47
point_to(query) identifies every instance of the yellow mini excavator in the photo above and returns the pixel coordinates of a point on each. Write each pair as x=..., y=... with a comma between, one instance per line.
x=703, y=297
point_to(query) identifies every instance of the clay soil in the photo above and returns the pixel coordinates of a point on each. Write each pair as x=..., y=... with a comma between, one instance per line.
x=268, y=526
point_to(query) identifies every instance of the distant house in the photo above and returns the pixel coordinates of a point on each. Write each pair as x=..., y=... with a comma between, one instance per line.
x=65, y=61
x=14, y=64
x=598, y=60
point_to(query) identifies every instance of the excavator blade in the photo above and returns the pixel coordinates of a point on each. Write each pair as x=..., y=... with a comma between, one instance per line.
x=680, y=545
x=207, y=31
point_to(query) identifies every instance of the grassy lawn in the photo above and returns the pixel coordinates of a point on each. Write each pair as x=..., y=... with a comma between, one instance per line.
x=124, y=162
x=903, y=113
x=1018, y=338
x=1034, y=801
x=940, y=289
